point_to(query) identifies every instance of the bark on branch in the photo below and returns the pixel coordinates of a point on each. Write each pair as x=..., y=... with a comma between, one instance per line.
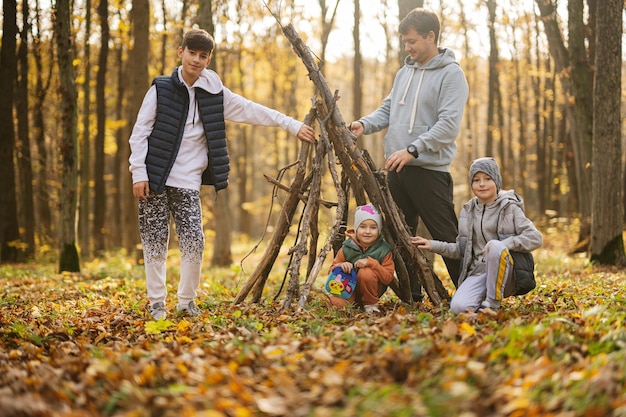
x=362, y=175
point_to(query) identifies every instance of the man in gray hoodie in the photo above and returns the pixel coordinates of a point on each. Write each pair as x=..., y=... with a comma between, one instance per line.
x=423, y=114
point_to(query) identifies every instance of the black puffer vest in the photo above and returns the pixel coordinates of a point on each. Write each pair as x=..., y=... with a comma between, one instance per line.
x=164, y=141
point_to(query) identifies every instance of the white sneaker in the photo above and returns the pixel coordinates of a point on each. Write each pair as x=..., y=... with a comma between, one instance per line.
x=191, y=309
x=157, y=311
x=371, y=309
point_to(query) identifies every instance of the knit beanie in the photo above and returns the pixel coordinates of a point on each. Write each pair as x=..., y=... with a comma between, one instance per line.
x=490, y=167
x=367, y=212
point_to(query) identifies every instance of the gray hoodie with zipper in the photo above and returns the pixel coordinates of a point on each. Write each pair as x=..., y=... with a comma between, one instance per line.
x=424, y=108
x=503, y=219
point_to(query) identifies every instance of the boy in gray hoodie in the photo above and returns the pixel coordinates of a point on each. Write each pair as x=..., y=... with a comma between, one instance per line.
x=491, y=225
x=423, y=114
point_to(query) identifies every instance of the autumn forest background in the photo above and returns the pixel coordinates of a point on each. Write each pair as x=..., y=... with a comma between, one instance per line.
x=545, y=100
x=76, y=72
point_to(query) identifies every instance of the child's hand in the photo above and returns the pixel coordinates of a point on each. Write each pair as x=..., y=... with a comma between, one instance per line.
x=420, y=242
x=487, y=248
x=361, y=263
x=306, y=134
x=141, y=190
x=346, y=267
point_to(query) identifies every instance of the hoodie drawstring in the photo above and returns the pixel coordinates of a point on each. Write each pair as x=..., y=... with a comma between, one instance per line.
x=406, y=90
x=414, y=109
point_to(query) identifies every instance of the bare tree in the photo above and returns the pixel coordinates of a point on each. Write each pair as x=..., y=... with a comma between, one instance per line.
x=84, y=235
x=581, y=76
x=164, y=49
x=9, y=232
x=572, y=63
x=121, y=175
x=24, y=159
x=100, y=201
x=68, y=142
x=356, y=85
x=222, y=254
x=43, y=79
x=607, y=244
x=494, y=106
x=468, y=140
x=138, y=76
x=327, y=25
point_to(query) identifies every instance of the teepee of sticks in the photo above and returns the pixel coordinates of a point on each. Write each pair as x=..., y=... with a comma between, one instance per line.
x=360, y=175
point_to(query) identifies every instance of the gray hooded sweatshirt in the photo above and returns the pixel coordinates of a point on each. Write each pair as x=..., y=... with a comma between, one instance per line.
x=424, y=108
x=503, y=220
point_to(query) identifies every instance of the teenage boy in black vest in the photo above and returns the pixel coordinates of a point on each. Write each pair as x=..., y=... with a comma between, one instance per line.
x=178, y=143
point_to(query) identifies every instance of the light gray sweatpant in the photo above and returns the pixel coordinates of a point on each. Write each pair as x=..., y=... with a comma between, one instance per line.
x=487, y=289
x=154, y=229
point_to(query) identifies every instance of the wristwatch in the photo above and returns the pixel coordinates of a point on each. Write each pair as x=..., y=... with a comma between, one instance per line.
x=413, y=151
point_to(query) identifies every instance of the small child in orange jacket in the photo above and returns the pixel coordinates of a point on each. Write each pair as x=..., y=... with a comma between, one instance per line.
x=366, y=252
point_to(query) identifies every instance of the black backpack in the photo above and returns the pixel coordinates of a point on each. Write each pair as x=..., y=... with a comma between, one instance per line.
x=523, y=272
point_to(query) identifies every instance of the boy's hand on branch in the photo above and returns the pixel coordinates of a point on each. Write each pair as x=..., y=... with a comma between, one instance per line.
x=420, y=242
x=306, y=134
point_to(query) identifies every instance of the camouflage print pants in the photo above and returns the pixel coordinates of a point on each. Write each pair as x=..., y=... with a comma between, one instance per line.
x=154, y=228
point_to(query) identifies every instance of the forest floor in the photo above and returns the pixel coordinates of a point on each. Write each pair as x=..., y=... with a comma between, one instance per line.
x=84, y=345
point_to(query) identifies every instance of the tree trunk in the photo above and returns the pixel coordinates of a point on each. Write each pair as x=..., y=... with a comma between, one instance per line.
x=356, y=86
x=356, y=67
x=138, y=76
x=43, y=78
x=607, y=245
x=327, y=26
x=164, y=49
x=100, y=232
x=576, y=87
x=9, y=231
x=467, y=140
x=68, y=144
x=84, y=207
x=120, y=166
x=494, y=106
x=24, y=159
x=222, y=254
x=581, y=76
